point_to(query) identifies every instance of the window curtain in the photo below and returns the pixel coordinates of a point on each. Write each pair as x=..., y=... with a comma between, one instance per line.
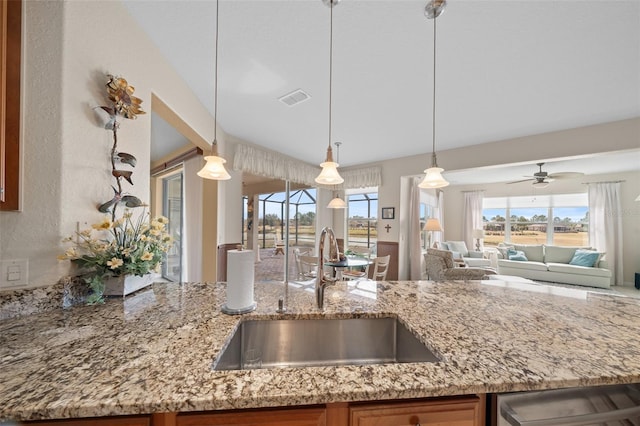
x=415, y=249
x=605, y=225
x=438, y=213
x=192, y=213
x=261, y=162
x=472, y=216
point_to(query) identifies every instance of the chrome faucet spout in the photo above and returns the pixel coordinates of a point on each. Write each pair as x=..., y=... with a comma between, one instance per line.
x=334, y=255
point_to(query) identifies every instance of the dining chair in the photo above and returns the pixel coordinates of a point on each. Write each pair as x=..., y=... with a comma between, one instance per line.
x=380, y=268
x=308, y=266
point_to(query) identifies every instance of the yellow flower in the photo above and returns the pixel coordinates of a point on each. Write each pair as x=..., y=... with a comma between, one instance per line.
x=155, y=232
x=162, y=220
x=85, y=233
x=104, y=225
x=114, y=263
x=70, y=253
x=146, y=256
x=156, y=224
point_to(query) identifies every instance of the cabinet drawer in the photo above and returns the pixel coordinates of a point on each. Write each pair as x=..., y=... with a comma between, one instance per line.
x=278, y=417
x=102, y=421
x=450, y=412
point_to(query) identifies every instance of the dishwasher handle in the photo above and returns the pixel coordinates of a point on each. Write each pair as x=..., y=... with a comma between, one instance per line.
x=620, y=414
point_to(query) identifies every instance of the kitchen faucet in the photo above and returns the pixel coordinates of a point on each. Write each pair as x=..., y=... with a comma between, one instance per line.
x=334, y=255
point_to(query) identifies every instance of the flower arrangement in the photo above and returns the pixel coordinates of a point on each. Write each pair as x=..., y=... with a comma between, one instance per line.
x=121, y=247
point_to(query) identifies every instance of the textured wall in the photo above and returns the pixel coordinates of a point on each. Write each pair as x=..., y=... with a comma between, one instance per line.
x=69, y=47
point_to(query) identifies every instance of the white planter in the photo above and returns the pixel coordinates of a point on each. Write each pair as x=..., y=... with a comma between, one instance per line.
x=126, y=284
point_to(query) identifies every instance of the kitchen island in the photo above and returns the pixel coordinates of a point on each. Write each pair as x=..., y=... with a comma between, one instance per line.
x=153, y=351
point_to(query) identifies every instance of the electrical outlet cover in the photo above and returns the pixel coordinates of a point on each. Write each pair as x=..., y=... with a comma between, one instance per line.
x=14, y=273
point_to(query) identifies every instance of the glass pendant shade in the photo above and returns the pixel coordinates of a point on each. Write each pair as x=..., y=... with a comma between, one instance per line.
x=329, y=174
x=337, y=203
x=433, y=179
x=214, y=169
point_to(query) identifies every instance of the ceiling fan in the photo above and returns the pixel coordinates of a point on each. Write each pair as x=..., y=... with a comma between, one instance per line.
x=541, y=178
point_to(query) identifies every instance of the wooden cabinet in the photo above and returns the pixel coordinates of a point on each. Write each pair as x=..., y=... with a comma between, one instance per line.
x=312, y=416
x=446, y=411
x=144, y=420
x=463, y=411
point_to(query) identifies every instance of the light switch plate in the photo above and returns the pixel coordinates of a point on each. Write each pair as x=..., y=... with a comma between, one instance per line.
x=14, y=273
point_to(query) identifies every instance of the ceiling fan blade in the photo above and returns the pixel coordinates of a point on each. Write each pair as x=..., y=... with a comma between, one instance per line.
x=565, y=175
x=520, y=181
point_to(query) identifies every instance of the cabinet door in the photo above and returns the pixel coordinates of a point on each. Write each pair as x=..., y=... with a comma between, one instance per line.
x=105, y=421
x=445, y=412
x=278, y=417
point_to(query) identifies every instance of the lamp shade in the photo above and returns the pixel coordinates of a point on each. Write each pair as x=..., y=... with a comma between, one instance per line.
x=337, y=203
x=433, y=179
x=329, y=174
x=432, y=224
x=214, y=169
x=477, y=233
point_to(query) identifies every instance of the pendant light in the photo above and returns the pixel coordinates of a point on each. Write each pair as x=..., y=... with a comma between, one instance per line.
x=214, y=169
x=337, y=202
x=329, y=174
x=433, y=177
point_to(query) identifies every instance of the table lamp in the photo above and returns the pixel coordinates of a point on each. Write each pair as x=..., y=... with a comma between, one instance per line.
x=478, y=234
x=432, y=225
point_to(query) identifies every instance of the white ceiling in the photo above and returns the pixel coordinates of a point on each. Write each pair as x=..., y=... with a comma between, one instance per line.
x=504, y=69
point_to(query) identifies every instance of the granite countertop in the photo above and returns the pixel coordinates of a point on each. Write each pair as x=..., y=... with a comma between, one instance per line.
x=153, y=351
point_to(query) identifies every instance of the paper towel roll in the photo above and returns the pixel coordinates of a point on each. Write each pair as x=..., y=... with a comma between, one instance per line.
x=240, y=279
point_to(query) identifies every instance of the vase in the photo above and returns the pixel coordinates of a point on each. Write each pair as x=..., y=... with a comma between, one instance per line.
x=123, y=285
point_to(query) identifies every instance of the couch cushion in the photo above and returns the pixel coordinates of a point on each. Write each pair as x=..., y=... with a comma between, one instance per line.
x=459, y=246
x=515, y=264
x=578, y=270
x=517, y=255
x=585, y=258
x=534, y=252
x=557, y=254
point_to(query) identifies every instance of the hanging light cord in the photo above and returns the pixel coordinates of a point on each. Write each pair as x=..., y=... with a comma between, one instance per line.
x=434, y=162
x=330, y=63
x=215, y=90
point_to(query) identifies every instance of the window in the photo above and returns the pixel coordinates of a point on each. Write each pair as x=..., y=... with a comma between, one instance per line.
x=172, y=209
x=559, y=219
x=362, y=219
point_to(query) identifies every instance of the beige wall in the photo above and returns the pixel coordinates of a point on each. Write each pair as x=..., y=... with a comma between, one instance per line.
x=68, y=49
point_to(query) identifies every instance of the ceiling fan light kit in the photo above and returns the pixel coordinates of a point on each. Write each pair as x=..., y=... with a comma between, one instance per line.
x=433, y=178
x=214, y=168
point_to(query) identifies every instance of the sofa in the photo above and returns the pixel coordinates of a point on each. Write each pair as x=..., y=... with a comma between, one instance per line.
x=473, y=259
x=554, y=264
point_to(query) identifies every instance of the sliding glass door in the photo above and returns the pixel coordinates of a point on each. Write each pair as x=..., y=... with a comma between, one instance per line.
x=172, y=208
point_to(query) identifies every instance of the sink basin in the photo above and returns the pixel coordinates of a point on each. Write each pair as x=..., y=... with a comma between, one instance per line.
x=315, y=342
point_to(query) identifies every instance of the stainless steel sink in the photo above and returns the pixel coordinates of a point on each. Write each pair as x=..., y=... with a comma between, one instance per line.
x=315, y=342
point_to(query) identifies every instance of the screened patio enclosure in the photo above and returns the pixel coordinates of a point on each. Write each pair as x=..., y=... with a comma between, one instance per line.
x=271, y=218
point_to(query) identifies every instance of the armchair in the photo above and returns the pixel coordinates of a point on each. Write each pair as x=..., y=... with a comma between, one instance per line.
x=471, y=258
x=440, y=267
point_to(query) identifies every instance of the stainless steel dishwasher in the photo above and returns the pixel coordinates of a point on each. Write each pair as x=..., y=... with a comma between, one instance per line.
x=615, y=405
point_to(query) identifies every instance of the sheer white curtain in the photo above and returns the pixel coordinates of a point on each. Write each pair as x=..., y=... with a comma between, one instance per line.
x=472, y=216
x=605, y=225
x=192, y=228
x=438, y=213
x=415, y=249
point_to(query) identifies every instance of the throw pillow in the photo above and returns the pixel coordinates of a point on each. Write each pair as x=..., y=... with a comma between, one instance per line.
x=504, y=249
x=459, y=246
x=517, y=255
x=585, y=258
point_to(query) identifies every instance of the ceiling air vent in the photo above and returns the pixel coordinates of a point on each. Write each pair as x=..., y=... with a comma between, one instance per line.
x=294, y=97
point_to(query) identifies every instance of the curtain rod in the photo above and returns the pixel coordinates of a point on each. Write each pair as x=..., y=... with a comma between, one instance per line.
x=610, y=181
x=176, y=161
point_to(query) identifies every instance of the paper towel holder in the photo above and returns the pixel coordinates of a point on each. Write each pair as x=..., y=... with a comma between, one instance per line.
x=225, y=309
